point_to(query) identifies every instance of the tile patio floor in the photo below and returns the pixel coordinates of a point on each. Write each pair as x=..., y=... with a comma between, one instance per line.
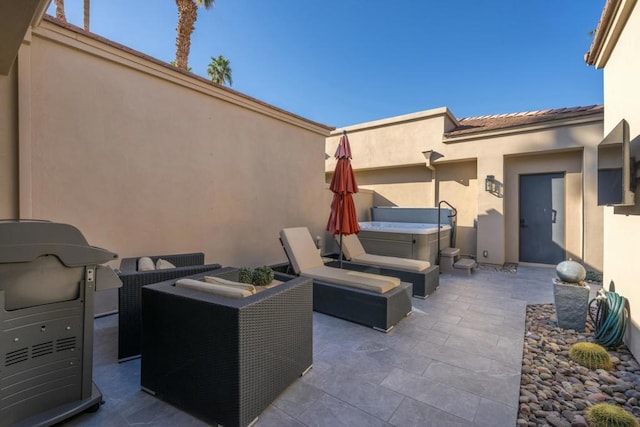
x=454, y=362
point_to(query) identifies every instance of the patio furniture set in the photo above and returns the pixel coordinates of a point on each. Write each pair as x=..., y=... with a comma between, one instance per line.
x=245, y=347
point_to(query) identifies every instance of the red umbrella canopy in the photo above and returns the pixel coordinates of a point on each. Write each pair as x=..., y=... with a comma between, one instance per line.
x=343, y=218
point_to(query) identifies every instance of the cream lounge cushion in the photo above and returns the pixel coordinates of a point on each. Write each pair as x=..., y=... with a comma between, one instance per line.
x=219, y=281
x=354, y=251
x=351, y=246
x=300, y=247
x=145, y=264
x=306, y=261
x=392, y=262
x=355, y=279
x=222, y=290
x=163, y=264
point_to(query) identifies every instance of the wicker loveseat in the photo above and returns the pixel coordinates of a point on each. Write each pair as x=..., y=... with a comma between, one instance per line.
x=129, y=295
x=221, y=359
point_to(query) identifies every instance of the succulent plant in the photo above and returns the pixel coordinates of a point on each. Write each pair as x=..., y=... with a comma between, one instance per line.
x=263, y=276
x=590, y=355
x=607, y=415
x=246, y=275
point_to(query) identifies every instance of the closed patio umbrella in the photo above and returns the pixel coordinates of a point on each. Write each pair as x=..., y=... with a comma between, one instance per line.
x=343, y=219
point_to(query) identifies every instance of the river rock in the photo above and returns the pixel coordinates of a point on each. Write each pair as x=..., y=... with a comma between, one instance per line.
x=579, y=421
x=571, y=271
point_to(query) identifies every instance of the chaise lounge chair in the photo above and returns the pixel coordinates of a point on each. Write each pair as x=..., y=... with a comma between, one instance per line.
x=424, y=276
x=130, y=296
x=369, y=299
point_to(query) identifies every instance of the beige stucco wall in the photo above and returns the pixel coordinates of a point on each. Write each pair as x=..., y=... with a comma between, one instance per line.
x=403, y=186
x=146, y=160
x=622, y=225
x=9, y=145
x=387, y=157
x=458, y=185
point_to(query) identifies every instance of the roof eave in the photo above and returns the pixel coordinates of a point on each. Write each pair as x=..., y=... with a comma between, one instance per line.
x=613, y=19
x=569, y=121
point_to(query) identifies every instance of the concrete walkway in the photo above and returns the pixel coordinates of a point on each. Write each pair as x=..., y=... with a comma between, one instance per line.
x=454, y=362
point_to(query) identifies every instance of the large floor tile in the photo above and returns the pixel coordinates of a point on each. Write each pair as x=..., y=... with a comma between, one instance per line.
x=438, y=395
x=412, y=413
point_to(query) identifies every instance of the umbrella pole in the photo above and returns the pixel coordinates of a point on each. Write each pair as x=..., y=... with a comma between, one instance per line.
x=340, y=250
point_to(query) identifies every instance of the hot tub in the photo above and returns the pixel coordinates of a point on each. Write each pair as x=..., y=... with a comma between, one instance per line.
x=413, y=240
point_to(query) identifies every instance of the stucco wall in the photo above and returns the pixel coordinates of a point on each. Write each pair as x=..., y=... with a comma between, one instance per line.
x=458, y=185
x=394, y=142
x=9, y=145
x=146, y=160
x=403, y=186
x=622, y=225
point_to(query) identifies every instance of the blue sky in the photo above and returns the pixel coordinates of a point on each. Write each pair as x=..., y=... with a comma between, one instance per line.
x=342, y=62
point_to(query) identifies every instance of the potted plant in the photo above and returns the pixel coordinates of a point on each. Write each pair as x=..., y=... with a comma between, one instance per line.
x=571, y=295
x=261, y=276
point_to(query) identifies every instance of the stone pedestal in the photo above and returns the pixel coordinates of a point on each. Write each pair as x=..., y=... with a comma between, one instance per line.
x=571, y=304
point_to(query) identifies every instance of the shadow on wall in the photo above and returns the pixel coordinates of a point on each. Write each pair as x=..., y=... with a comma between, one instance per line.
x=490, y=228
x=630, y=210
x=466, y=240
x=575, y=257
x=379, y=200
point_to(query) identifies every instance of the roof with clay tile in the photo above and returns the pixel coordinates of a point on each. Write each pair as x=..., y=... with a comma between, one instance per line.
x=471, y=125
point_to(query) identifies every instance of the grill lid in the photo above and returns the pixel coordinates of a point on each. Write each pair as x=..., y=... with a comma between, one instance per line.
x=26, y=240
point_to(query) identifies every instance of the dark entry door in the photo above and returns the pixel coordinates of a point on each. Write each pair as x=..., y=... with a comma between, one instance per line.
x=542, y=218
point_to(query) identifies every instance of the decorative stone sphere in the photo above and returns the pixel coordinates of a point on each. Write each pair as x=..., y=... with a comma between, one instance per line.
x=571, y=271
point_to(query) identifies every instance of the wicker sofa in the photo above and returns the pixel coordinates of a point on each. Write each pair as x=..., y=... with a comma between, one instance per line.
x=221, y=359
x=129, y=295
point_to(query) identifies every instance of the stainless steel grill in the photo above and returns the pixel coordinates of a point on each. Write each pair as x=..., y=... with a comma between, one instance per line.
x=48, y=277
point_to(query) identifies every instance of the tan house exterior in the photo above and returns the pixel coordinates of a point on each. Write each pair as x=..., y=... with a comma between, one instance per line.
x=615, y=49
x=146, y=159
x=419, y=159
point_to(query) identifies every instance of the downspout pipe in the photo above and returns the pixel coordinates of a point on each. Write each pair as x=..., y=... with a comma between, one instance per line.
x=427, y=155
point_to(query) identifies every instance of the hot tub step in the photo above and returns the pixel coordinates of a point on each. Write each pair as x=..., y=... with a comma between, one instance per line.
x=467, y=264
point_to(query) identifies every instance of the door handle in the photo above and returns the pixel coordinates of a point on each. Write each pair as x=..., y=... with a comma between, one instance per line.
x=522, y=224
x=554, y=215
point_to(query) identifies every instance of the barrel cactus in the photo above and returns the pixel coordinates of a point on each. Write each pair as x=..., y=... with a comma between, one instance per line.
x=607, y=415
x=590, y=355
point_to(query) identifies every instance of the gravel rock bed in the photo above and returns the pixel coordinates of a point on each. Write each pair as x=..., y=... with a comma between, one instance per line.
x=554, y=390
x=508, y=267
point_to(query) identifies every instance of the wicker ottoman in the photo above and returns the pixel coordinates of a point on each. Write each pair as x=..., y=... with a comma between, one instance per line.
x=220, y=359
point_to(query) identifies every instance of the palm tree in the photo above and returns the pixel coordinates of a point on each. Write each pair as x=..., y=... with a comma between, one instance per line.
x=174, y=64
x=86, y=14
x=219, y=70
x=187, y=15
x=60, y=10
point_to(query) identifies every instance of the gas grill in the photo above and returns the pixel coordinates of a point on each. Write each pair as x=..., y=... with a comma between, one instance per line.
x=48, y=277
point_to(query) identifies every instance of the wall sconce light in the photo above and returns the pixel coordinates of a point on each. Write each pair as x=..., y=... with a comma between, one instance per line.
x=493, y=186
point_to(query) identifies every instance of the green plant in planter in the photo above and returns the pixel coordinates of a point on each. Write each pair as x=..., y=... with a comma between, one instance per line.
x=607, y=415
x=246, y=275
x=263, y=276
x=590, y=355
